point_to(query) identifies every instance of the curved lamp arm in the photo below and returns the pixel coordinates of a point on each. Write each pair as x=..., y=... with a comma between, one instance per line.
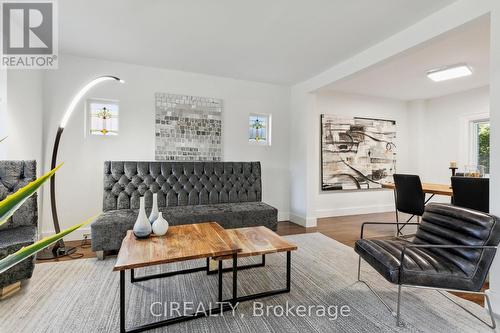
x=62, y=125
x=81, y=93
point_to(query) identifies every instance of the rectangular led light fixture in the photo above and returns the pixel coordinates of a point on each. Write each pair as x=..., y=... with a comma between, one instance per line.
x=449, y=72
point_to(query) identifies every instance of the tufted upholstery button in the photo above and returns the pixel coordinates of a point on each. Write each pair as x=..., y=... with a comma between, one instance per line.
x=172, y=180
x=180, y=183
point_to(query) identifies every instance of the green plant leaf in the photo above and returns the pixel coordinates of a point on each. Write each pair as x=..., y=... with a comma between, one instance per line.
x=12, y=202
x=28, y=251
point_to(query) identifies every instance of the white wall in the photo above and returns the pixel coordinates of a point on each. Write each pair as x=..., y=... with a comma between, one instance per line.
x=330, y=203
x=430, y=27
x=3, y=112
x=434, y=131
x=299, y=163
x=79, y=182
x=445, y=131
x=23, y=116
x=494, y=290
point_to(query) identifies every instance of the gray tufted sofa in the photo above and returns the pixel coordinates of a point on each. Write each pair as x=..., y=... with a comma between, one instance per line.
x=21, y=229
x=229, y=193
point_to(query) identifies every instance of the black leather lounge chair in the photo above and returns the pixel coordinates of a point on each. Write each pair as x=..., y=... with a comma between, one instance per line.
x=452, y=250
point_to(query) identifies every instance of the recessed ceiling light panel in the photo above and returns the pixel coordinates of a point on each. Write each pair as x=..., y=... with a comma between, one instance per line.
x=449, y=72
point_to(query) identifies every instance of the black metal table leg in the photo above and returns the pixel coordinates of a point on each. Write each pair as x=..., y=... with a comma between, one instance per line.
x=220, y=282
x=240, y=268
x=235, y=278
x=265, y=293
x=222, y=307
x=288, y=270
x=162, y=275
x=122, y=301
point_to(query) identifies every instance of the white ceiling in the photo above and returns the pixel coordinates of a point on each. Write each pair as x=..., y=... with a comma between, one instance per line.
x=277, y=41
x=404, y=76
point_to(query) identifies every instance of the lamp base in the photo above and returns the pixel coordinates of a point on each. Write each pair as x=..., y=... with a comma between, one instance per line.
x=54, y=252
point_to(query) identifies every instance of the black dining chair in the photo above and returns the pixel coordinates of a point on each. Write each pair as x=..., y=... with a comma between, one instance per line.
x=409, y=198
x=470, y=192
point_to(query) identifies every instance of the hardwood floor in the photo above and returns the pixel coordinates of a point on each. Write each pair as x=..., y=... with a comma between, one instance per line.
x=344, y=229
x=347, y=229
x=83, y=251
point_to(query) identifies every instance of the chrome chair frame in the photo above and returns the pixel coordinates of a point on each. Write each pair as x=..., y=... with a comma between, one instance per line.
x=397, y=313
x=404, y=224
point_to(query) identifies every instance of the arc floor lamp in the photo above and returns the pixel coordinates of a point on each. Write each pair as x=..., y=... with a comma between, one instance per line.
x=59, y=249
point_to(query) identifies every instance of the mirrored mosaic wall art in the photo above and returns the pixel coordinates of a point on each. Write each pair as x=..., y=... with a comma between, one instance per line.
x=356, y=153
x=188, y=128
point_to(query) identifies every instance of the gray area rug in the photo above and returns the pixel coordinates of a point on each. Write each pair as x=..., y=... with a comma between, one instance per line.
x=82, y=296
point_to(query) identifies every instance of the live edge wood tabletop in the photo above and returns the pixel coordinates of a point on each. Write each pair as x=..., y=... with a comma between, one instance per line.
x=255, y=241
x=439, y=189
x=184, y=242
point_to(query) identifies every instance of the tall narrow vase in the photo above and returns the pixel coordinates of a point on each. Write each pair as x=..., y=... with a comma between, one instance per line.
x=154, y=211
x=142, y=226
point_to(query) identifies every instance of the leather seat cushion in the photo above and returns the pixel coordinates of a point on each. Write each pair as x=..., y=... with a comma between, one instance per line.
x=421, y=266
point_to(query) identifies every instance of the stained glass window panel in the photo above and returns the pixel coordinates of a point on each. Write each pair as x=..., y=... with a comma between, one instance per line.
x=259, y=129
x=103, y=117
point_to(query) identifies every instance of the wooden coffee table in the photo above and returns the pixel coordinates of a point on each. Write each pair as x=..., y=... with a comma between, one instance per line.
x=181, y=243
x=259, y=241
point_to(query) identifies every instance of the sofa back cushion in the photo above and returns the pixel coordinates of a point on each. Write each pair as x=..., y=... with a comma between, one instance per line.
x=180, y=183
x=13, y=176
x=445, y=224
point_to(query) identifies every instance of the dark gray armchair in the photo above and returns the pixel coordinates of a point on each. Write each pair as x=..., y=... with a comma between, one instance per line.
x=452, y=250
x=21, y=229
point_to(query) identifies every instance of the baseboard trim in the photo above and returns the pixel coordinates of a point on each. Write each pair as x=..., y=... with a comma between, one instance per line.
x=322, y=213
x=304, y=221
x=75, y=235
x=283, y=216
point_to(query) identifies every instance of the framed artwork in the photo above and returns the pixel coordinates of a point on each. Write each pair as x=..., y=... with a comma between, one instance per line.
x=356, y=153
x=188, y=128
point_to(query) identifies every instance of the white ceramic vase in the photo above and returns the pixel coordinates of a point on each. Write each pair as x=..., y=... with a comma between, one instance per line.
x=160, y=226
x=154, y=211
x=142, y=226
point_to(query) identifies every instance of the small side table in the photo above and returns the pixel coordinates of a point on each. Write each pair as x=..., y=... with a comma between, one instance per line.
x=259, y=241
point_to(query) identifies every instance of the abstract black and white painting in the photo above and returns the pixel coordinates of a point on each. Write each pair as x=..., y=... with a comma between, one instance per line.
x=356, y=153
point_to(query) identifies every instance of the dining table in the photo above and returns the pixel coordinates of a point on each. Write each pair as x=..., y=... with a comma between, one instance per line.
x=430, y=188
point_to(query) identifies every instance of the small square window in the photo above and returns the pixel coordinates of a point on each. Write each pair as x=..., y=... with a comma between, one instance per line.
x=259, y=129
x=103, y=117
